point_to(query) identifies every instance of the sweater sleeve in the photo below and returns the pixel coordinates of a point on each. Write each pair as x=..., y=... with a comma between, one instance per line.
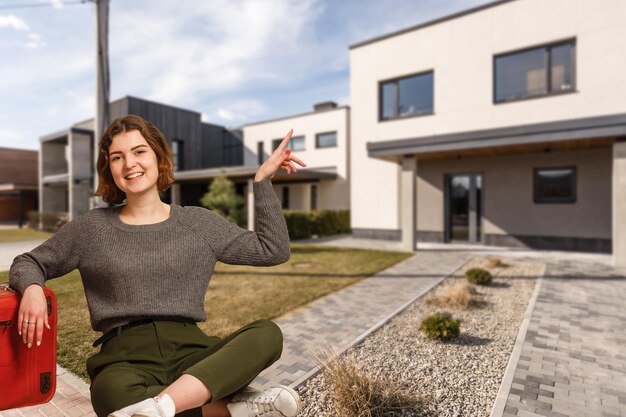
x=267, y=246
x=55, y=257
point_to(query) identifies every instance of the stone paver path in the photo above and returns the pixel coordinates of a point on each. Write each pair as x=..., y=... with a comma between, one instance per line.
x=572, y=361
x=340, y=319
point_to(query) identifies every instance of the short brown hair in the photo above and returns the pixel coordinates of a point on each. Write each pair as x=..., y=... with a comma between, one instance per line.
x=107, y=188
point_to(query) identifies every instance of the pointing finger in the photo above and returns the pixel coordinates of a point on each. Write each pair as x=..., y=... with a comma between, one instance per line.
x=296, y=159
x=285, y=141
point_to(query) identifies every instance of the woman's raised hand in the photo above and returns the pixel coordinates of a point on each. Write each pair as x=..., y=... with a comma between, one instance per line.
x=279, y=159
x=33, y=315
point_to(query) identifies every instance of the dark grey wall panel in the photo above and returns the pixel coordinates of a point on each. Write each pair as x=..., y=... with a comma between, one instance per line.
x=221, y=147
x=175, y=123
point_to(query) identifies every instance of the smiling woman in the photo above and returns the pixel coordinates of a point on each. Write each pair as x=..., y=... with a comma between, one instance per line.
x=133, y=145
x=145, y=267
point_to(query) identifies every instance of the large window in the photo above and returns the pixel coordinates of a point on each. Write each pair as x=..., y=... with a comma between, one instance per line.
x=313, y=197
x=296, y=143
x=326, y=140
x=285, y=202
x=406, y=97
x=534, y=72
x=178, y=154
x=260, y=153
x=555, y=185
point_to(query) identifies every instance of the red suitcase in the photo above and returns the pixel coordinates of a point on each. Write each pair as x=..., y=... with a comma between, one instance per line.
x=27, y=376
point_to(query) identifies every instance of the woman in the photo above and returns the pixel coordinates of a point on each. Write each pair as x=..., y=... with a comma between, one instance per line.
x=145, y=268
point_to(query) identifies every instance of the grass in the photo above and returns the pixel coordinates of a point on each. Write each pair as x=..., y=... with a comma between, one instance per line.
x=17, y=235
x=355, y=393
x=236, y=296
x=455, y=295
x=492, y=263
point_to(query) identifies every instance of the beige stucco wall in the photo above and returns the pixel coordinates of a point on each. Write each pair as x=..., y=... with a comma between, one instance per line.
x=331, y=194
x=460, y=52
x=508, y=194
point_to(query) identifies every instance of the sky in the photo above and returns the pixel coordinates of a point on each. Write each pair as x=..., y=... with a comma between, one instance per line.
x=234, y=61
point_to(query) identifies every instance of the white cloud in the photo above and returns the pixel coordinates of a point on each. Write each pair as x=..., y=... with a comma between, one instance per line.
x=57, y=4
x=235, y=111
x=211, y=47
x=34, y=41
x=13, y=22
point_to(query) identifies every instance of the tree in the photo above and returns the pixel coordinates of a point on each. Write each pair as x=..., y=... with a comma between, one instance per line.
x=222, y=199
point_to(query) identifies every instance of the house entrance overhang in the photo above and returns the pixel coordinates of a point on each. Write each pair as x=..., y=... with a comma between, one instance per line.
x=584, y=133
x=241, y=174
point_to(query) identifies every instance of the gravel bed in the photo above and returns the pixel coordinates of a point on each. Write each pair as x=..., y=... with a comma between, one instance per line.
x=458, y=378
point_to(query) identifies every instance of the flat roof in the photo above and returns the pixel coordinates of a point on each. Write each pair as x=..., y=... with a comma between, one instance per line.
x=63, y=134
x=430, y=23
x=345, y=107
x=574, y=129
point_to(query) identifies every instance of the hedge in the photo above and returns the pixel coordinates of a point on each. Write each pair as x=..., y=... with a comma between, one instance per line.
x=305, y=224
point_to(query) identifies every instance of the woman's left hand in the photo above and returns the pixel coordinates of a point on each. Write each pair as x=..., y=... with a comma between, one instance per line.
x=279, y=159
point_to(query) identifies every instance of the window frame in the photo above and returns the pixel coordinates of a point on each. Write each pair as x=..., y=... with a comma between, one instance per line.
x=381, y=83
x=547, y=47
x=317, y=143
x=558, y=200
x=260, y=149
x=178, y=158
x=290, y=144
x=285, y=198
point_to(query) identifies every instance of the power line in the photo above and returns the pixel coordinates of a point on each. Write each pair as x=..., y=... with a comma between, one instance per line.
x=34, y=5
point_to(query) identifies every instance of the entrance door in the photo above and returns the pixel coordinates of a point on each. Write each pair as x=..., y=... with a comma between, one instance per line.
x=464, y=208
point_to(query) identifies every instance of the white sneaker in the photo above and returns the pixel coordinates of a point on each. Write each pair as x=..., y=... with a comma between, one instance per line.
x=273, y=402
x=145, y=408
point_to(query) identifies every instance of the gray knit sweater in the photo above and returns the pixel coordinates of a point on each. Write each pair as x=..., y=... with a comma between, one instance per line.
x=153, y=270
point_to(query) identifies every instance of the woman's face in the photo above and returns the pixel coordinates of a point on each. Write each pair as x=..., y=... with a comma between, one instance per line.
x=133, y=163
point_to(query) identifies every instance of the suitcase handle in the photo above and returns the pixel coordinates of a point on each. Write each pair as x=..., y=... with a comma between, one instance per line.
x=6, y=323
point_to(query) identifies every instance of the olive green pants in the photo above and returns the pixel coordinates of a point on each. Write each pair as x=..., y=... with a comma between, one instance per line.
x=139, y=362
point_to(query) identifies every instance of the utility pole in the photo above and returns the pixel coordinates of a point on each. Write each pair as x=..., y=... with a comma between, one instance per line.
x=102, y=118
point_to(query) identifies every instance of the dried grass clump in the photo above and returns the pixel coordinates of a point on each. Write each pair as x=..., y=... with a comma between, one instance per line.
x=495, y=263
x=459, y=296
x=353, y=393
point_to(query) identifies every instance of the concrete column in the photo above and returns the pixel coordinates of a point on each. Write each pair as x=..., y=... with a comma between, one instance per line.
x=408, y=173
x=175, y=193
x=619, y=204
x=250, y=205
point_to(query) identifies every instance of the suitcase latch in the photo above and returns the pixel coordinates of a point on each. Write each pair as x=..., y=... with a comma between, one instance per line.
x=6, y=323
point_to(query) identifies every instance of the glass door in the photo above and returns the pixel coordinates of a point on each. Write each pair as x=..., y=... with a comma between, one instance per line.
x=464, y=208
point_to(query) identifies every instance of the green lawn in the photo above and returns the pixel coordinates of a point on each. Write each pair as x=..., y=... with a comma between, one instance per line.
x=16, y=235
x=237, y=294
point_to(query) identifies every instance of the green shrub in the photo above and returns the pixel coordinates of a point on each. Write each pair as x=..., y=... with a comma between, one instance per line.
x=478, y=276
x=305, y=224
x=440, y=326
x=47, y=221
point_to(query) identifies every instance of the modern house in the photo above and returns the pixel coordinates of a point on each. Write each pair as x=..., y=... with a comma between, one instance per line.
x=18, y=185
x=503, y=124
x=321, y=140
x=203, y=151
x=67, y=162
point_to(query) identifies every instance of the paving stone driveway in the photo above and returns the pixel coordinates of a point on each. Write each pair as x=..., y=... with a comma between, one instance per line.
x=573, y=361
